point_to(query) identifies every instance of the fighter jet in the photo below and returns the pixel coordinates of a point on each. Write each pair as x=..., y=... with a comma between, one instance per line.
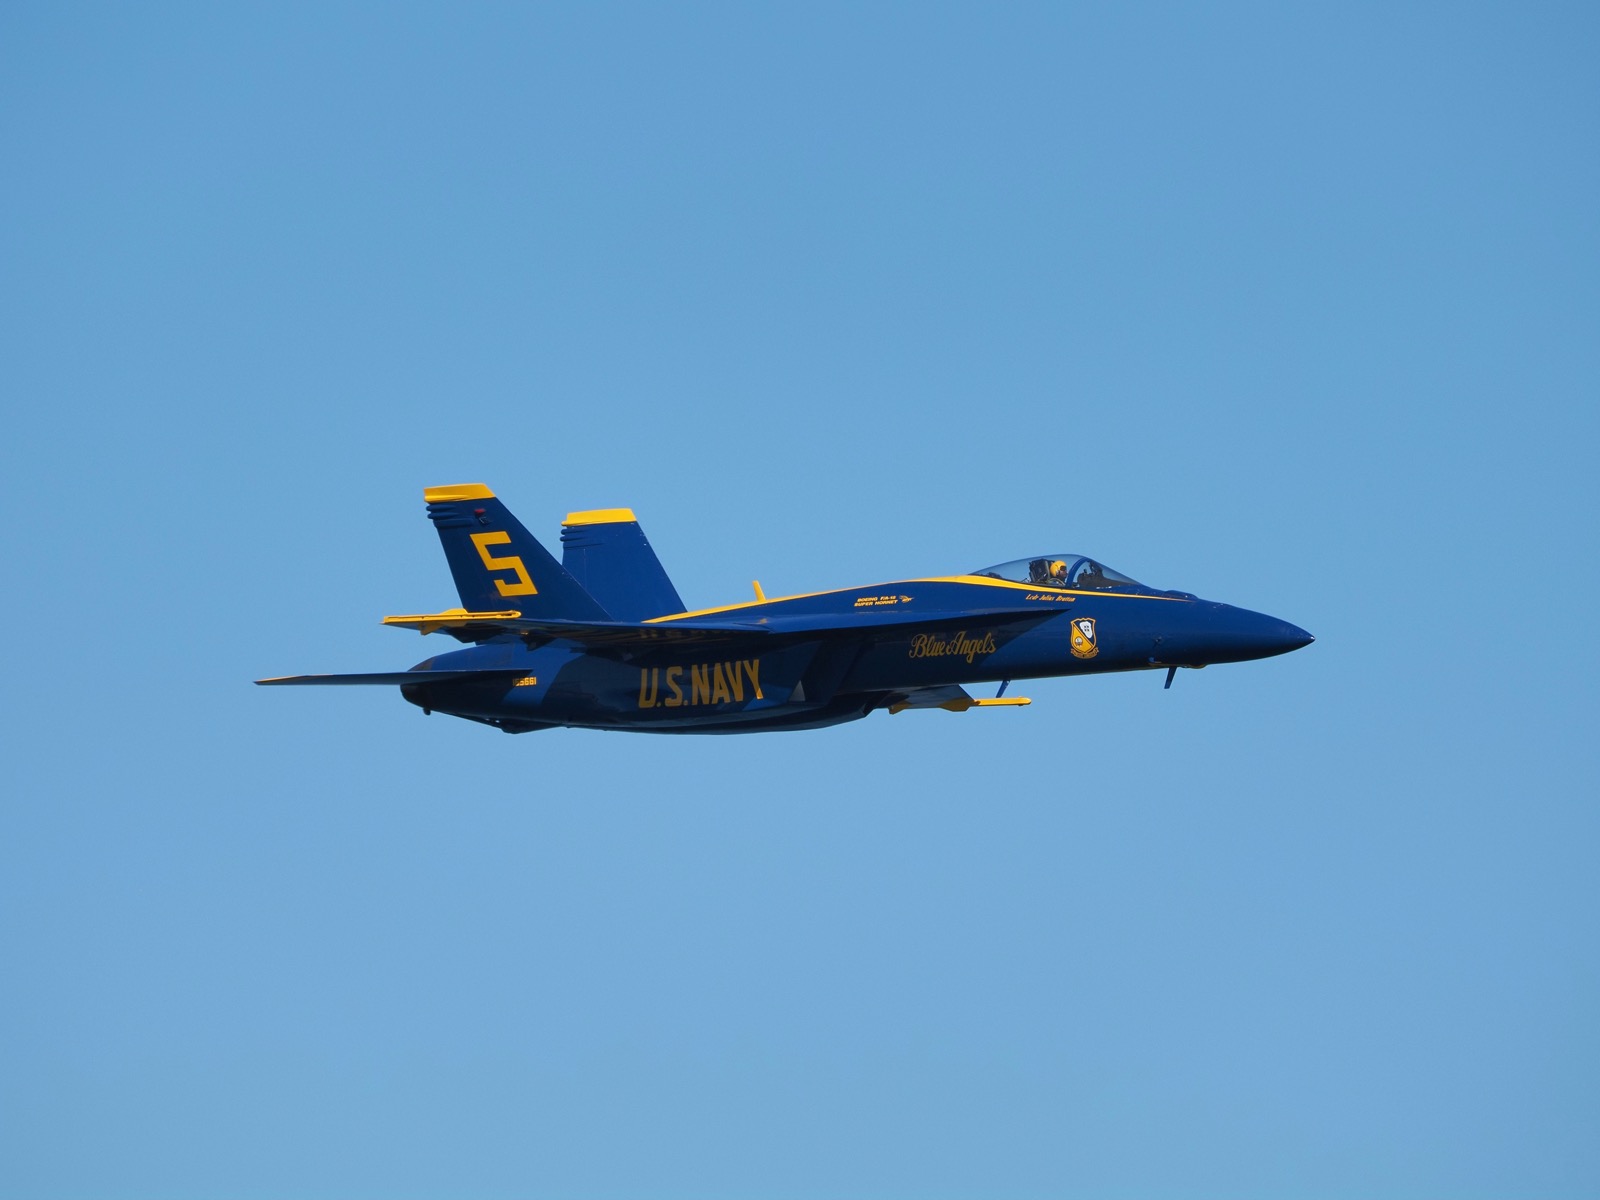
x=601, y=639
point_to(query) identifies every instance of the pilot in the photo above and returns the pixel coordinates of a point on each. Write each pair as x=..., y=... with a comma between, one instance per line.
x=1048, y=572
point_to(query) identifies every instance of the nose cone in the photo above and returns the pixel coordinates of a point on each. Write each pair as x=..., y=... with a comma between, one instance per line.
x=1279, y=637
x=1237, y=635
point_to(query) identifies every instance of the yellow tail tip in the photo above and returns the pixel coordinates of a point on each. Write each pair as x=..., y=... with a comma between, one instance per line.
x=600, y=516
x=457, y=491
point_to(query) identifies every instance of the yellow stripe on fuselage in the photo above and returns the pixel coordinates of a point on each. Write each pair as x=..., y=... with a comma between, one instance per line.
x=969, y=580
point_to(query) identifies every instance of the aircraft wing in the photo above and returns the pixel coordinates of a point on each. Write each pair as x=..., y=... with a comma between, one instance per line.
x=628, y=636
x=477, y=627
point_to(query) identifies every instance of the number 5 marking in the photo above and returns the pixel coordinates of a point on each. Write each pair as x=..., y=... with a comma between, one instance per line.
x=511, y=562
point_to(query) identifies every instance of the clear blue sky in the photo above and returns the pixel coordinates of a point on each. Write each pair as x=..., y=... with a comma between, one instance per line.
x=1291, y=306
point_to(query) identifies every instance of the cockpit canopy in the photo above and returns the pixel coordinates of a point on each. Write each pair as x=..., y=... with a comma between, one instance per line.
x=1061, y=571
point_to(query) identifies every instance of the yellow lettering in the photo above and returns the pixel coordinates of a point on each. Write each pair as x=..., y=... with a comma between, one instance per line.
x=676, y=698
x=753, y=666
x=925, y=645
x=735, y=680
x=719, y=692
x=511, y=562
x=700, y=684
x=647, y=679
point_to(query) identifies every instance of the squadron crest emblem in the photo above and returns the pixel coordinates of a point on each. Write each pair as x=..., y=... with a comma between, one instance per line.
x=1084, y=644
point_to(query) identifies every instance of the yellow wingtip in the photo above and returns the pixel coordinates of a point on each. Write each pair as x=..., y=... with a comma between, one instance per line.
x=450, y=618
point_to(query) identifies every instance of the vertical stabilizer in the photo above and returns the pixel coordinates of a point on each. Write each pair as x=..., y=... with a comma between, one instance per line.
x=607, y=552
x=498, y=565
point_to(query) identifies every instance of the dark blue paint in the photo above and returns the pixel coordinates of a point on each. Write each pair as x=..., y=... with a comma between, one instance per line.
x=570, y=659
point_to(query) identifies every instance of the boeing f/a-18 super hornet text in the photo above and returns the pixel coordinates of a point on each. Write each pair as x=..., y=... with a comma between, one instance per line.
x=601, y=640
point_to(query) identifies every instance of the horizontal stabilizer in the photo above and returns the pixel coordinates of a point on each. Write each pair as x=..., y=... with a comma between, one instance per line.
x=384, y=677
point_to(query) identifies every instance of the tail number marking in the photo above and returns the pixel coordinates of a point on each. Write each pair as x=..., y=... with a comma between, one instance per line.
x=510, y=562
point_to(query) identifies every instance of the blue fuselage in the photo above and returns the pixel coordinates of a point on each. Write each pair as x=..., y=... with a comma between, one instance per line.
x=899, y=641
